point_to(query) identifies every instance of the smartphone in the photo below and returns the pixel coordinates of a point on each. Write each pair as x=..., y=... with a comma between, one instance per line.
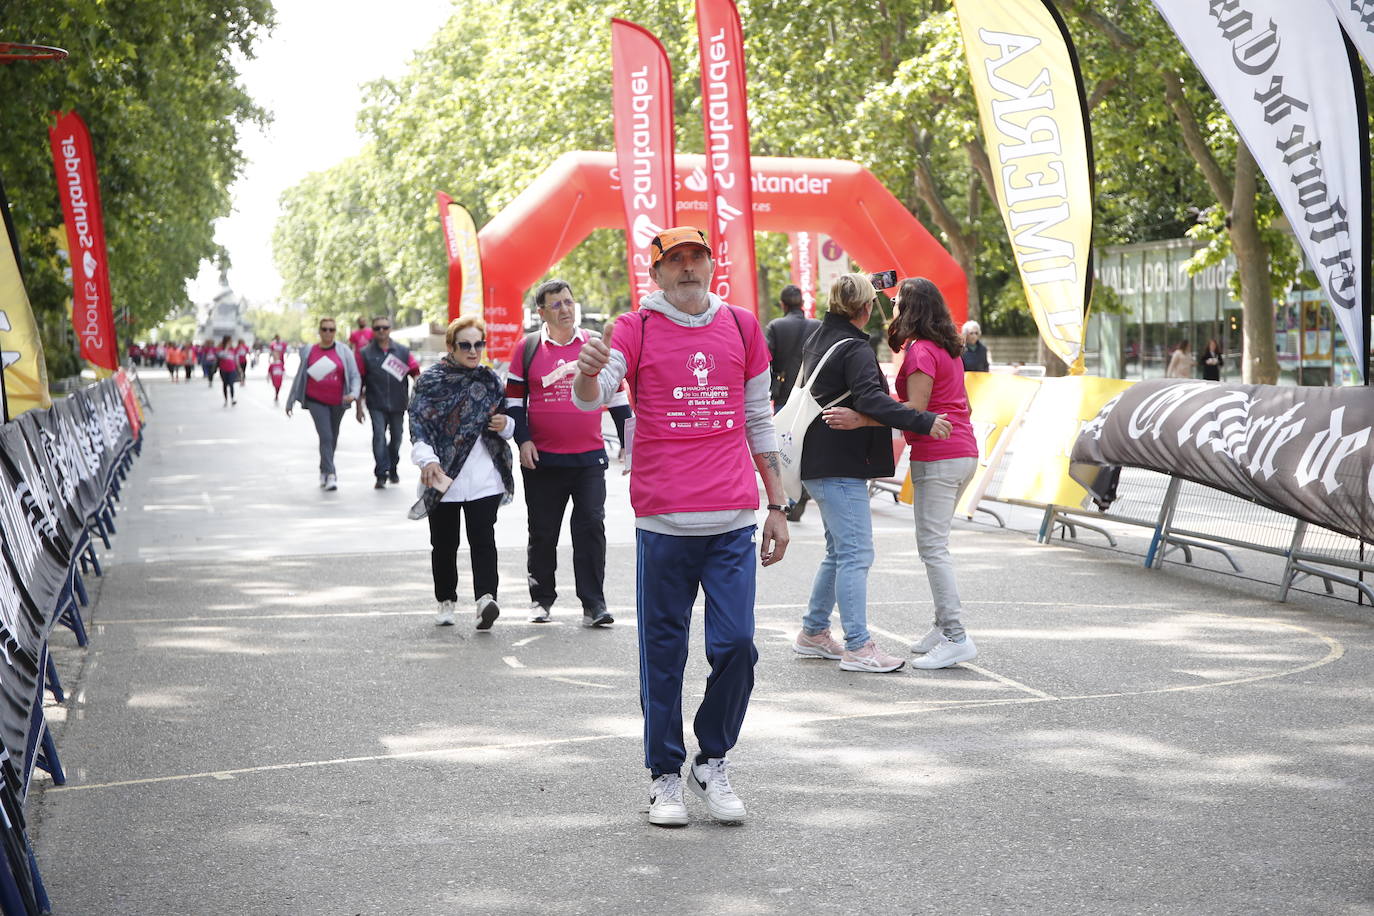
x=884, y=279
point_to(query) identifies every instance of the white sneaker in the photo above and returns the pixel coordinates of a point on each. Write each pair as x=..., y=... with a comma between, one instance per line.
x=539, y=614
x=331, y=482
x=667, y=808
x=928, y=641
x=946, y=654
x=710, y=782
x=323, y=478
x=487, y=612
x=445, y=616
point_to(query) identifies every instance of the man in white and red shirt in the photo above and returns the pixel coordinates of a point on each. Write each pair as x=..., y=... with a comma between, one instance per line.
x=562, y=456
x=699, y=375
x=326, y=383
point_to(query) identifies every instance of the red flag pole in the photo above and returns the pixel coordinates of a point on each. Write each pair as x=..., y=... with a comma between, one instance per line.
x=725, y=112
x=78, y=187
x=642, y=95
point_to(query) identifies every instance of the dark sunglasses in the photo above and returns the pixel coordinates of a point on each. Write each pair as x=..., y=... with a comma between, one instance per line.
x=328, y=330
x=381, y=327
x=468, y=346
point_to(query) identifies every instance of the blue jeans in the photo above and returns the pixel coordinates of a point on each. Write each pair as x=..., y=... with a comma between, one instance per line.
x=386, y=458
x=842, y=577
x=671, y=569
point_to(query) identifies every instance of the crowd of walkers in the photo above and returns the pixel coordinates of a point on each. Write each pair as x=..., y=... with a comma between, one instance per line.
x=704, y=380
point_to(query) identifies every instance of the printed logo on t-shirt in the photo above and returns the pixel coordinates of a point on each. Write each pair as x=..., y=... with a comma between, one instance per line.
x=706, y=405
x=701, y=366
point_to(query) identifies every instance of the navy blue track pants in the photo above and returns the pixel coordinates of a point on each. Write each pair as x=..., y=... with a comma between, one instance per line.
x=670, y=570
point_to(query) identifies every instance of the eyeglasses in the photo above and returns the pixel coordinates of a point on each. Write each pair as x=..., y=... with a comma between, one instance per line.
x=381, y=327
x=327, y=330
x=467, y=346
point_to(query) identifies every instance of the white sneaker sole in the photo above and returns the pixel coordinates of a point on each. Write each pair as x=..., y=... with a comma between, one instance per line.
x=870, y=669
x=668, y=819
x=928, y=664
x=488, y=617
x=810, y=652
x=445, y=621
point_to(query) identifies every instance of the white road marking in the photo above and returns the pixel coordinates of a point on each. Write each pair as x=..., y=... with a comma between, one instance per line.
x=525, y=642
x=512, y=661
x=1003, y=679
x=568, y=680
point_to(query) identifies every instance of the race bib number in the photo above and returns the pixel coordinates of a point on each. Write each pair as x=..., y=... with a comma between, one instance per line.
x=394, y=367
x=321, y=368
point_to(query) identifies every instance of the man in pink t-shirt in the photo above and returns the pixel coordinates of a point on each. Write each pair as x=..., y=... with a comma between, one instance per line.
x=699, y=377
x=562, y=456
x=361, y=336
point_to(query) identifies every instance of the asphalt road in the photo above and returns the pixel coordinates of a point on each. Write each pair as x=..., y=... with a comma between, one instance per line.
x=267, y=721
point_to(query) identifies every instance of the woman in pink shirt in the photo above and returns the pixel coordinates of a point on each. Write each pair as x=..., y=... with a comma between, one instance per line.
x=932, y=378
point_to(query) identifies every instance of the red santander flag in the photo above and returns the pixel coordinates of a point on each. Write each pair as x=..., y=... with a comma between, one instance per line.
x=642, y=94
x=725, y=110
x=79, y=188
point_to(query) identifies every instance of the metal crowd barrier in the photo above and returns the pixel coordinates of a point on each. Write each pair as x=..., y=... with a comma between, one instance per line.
x=1184, y=517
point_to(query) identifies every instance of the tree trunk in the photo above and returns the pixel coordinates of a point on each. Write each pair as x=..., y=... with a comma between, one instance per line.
x=1259, y=363
x=963, y=244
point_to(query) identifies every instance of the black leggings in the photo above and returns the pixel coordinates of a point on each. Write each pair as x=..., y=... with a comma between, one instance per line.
x=444, y=540
x=227, y=381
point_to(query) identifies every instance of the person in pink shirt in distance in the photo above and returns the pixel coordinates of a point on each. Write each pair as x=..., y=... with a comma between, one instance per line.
x=361, y=335
x=276, y=365
x=242, y=351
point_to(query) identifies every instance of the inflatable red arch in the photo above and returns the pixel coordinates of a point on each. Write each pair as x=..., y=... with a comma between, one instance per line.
x=578, y=193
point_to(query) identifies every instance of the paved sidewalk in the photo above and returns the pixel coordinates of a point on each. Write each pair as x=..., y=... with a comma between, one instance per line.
x=267, y=722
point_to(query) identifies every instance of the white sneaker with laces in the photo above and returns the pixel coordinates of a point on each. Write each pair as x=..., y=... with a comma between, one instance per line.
x=710, y=782
x=667, y=807
x=445, y=616
x=323, y=478
x=331, y=481
x=947, y=654
x=540, y=614
x=487, y=612
x=927, y=642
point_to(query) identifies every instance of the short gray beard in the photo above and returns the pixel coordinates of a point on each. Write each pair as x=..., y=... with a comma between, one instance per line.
x=689, y=302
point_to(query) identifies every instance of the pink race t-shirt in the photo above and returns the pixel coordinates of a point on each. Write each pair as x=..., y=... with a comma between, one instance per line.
x=227, y=359
x=556, y=424
x=947, y=396
x=329, y=389
x=690, y=449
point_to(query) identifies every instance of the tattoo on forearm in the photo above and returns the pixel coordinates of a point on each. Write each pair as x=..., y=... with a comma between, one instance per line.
x=771, y=459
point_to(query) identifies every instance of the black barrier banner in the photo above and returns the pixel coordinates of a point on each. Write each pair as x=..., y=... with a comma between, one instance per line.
x=57, y=471
x=75, y=446
x=1300, y=451
x=34, y=494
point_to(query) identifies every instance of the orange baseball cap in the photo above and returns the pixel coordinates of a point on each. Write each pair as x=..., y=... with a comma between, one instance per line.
x=669, y=239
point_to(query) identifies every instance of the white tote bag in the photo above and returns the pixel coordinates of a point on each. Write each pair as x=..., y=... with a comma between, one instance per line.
x=792, y=422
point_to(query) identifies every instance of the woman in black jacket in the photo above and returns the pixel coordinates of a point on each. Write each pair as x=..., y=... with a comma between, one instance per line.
x=836, y=466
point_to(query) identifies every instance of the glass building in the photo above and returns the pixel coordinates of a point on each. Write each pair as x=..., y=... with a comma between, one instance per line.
x=1162, y=306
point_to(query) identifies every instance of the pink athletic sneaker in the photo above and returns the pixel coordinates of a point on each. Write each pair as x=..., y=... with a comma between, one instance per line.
x=819, y=646
x=869, y=657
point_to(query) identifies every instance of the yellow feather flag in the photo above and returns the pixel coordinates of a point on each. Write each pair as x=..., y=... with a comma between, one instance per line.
x=1035, y=126
x=21, y=350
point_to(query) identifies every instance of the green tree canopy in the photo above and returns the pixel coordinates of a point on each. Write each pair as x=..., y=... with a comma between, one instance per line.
x=157, y=83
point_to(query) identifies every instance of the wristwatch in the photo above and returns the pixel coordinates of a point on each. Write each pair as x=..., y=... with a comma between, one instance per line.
x=776, y=508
